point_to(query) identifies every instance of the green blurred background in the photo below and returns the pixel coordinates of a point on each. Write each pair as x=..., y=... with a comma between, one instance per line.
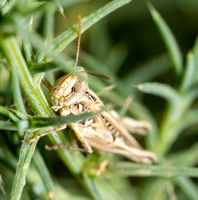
x=133, y=29
x=124, y=42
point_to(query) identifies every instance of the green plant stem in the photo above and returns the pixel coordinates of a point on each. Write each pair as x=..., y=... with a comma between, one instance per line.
x=168, y=133
x=44, y=173
x=39, y=105
x=17, y=92
x=170, y=127
x=133, y=169
x=25, y=156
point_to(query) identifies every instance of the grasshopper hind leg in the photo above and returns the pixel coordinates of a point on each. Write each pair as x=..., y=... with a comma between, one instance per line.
x=86, y=147
x=76, y=128
x=62, y=146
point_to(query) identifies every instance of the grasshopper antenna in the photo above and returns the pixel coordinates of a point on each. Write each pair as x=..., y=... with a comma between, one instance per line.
x=99, y=75
x=78, y=43
x=78, y=51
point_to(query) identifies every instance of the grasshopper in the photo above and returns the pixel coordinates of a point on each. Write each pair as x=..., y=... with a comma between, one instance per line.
x=107, y=132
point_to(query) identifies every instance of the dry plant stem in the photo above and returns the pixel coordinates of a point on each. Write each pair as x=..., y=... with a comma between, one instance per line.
x=47, y=133
x=55, y=147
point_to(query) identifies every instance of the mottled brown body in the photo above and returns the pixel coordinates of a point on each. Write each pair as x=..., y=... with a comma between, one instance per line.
x=107, y=132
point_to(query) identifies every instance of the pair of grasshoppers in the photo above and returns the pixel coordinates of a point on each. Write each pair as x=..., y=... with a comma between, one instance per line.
x=107, y=132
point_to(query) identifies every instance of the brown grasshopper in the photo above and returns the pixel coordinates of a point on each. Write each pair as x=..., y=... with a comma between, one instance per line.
x=107, y=132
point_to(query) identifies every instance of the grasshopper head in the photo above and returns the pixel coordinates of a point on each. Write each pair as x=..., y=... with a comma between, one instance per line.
x=65, y=87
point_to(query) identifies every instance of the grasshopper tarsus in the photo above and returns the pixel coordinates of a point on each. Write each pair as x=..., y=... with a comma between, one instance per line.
x=34, y=139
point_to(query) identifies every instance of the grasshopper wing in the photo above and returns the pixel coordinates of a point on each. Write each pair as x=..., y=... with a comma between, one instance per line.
x=101, y=138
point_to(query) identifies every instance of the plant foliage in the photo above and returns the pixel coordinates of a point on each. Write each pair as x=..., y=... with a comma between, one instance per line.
x=31, y=48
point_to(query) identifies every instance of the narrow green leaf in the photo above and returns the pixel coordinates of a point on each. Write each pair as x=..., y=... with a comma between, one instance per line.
x=60, y=8
x=17, y=92
x=27, y=51
x=176, y=105
x=44, y=173
x=188, y=187
x=36, y=122
x=155, y=189
x=68, y=36
x=132, y=169
x=101, y=189
x=185, y=158
x=92, y=186
x=160, y=90
x=42, y=67
x=23, y=164
x=188, y=77
x=18, y=114
x=8, y=113
x=189, y=119
x=107, y=191
x=169, y=40
x=48, y=29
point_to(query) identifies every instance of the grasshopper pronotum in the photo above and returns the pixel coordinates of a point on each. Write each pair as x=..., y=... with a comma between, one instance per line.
x=107, y=132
